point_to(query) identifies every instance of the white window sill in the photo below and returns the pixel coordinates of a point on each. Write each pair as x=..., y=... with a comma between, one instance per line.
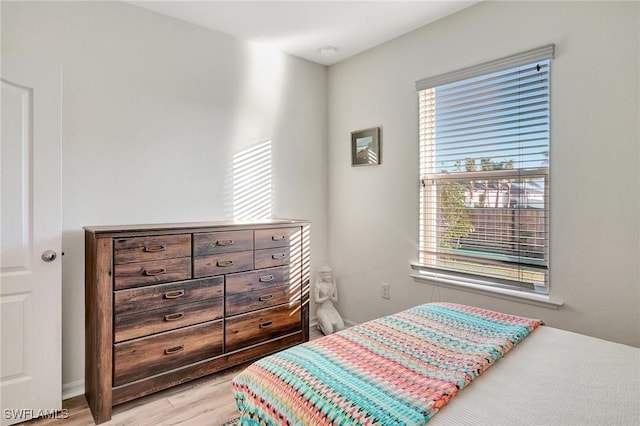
x=501, y=293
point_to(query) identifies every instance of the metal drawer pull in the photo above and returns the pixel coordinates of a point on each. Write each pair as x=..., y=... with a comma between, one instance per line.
x=279, y=256
x=265, y=298
x=154, y=272
x=174, y=294
x=266, y=324
x=266, y=278
x=225, y=262
x=173, y=350
x=278, y=237
x=224, y=242
x=152, y=249
x=174, y=317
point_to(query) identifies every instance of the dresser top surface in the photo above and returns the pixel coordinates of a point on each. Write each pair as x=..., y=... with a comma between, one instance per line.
x=194, y=226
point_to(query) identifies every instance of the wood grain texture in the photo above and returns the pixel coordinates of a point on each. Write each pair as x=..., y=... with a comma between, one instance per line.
x=119, y=231
x=260, y=299
x=277, y=237
x=222, y=242
x=98, y=331
x=256, y=280
x=151, y=355
x=143, y=249
x=144, y=323
x=145, y=313
x=269, y=258
x=190, y=372
x=259, y=326
x=204, y=401
x=166, y=295
x=153, y=272
x=223, y=263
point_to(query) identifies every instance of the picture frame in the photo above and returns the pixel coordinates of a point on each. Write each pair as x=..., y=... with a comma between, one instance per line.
x=365, y=147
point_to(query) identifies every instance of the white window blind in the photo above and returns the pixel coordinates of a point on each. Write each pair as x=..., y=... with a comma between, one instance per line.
x=484, y=139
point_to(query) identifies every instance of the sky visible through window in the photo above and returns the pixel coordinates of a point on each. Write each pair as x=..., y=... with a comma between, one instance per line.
x=500, y=117
x=485, y=158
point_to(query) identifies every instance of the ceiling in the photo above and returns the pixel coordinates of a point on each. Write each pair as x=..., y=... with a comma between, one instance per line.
x=303, y=28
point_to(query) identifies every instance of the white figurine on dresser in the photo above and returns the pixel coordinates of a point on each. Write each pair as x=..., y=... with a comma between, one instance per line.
x=326, y=292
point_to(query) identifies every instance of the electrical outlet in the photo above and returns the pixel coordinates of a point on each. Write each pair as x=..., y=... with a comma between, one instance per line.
x=385, y=290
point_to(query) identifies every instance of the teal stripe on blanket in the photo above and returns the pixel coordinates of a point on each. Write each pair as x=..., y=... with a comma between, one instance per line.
x=396, y=370
x=348, y=383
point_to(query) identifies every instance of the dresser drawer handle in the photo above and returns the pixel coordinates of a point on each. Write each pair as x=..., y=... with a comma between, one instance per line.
x=153, y=249
x=173, y=350
x=279, y=256
x=174, y=294
x=224, y=243
x=174, y=317
x=266, y=278
x=265, y=298
x=278, y=237
x=266, y=324
x=225, y=262
x=153, y=272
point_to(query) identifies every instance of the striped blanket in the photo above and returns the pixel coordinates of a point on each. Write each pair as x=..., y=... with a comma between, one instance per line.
x=396, y=370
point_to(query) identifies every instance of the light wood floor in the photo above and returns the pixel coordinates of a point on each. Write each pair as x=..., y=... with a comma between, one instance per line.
x=202, y=402
x=205, y=401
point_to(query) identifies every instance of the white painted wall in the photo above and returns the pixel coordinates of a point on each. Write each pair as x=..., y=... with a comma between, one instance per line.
x=153, y=111
x=595, y=198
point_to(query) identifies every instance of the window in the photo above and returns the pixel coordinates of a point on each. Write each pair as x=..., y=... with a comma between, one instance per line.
x=484, y=170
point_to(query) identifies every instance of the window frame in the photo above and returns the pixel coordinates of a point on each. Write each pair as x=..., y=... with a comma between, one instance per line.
x=427, y=233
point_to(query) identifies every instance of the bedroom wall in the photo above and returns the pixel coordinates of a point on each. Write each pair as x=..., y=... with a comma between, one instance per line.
x=595, y=193
x=154, y=109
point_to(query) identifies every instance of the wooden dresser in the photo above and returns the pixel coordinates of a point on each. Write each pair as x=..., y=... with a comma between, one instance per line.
x=169, y=303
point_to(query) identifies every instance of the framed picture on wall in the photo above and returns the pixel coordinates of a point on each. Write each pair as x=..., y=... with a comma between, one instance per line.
x=365, y=147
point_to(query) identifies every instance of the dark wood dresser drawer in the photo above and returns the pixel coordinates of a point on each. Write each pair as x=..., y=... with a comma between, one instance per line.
x=170, y=302
x=222, y=242
x=280, y=237
x=143, y=249
x=140, y=324
x=223, y=263
x=259, y=326
x=257, y=280
x=166, y=295
x=269, y=258
x=258, y=299
x=162, y=352
x=152, y=272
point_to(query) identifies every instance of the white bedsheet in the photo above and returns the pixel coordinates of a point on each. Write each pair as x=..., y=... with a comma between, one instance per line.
x=553, y=377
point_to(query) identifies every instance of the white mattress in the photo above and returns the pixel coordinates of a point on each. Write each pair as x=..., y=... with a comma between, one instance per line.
x=553, y=377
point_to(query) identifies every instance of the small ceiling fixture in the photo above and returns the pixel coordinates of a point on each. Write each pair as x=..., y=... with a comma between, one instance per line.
x=328, y=51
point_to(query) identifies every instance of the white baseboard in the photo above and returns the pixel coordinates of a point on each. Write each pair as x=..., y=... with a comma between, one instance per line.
x=313, y=322
x=73, y=389
x=349, y=323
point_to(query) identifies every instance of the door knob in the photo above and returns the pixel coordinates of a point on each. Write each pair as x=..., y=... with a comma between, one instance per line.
x=49, y=255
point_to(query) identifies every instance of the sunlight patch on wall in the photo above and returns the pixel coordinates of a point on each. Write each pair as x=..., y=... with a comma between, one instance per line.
x=295, y=267
x=373, y=157
x=248, y=188
x=300, y=266
x=306, y=263
x=252, y=183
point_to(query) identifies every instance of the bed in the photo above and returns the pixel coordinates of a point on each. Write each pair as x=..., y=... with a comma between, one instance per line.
x=404, y=368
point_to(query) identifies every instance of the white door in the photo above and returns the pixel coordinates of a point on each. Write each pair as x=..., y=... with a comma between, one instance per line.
x=30, y=276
